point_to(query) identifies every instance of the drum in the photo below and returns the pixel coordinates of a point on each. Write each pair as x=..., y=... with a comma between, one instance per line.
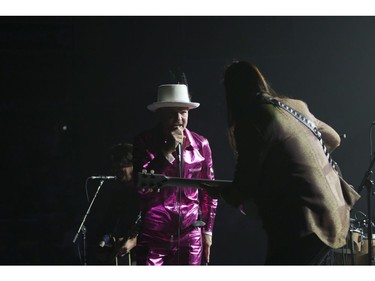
x=348, y=254
x=357, y=239
x=362, y=257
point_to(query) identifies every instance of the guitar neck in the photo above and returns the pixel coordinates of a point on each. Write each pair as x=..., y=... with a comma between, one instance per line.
x=157, y=180
x=194, y=183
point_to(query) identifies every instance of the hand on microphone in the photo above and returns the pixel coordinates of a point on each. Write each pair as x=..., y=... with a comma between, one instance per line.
x=174, y=140
x=178, y=135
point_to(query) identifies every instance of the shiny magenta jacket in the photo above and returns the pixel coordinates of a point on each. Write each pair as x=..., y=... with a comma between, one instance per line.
x=160, y=210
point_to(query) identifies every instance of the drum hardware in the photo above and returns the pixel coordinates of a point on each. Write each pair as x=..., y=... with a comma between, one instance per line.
x=362, y=256
x=368, y=183
x=356, y=240
x=356, y=251
x=346, y=255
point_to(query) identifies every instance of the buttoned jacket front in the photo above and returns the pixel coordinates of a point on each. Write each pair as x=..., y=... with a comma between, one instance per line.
x=174, y=208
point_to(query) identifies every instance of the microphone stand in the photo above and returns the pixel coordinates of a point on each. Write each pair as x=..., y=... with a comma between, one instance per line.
x=82, y=227
x=180, y=170
x=368, y=183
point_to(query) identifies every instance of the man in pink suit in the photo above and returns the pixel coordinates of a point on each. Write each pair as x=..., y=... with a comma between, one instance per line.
x=177, y=221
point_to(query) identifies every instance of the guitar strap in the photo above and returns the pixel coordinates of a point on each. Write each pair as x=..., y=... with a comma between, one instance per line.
x=349, y=195
x=309, y=124
x=249, y=208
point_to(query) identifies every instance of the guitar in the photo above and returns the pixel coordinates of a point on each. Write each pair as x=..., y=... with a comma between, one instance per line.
x=110, y=246
x=156, y=181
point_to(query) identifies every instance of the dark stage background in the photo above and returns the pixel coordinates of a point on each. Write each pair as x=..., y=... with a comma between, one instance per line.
x=71, y=87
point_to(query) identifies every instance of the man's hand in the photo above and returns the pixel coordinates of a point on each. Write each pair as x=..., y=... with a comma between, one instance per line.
x=127, y=246
x=175, y=137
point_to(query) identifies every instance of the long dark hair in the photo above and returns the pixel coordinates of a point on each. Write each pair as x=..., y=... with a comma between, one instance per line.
x=243, y=83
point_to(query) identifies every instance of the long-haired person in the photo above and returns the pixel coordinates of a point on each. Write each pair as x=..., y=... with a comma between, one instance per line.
x=282, y=174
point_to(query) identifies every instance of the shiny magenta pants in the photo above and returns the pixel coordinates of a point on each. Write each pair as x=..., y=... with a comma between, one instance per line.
x=160, y=248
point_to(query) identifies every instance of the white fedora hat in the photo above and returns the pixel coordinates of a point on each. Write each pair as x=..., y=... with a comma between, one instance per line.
x=173, y=95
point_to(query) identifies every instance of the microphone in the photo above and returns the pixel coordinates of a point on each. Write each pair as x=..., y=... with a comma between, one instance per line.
x=178, y=152
x=103, y=177
x=178, y=149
